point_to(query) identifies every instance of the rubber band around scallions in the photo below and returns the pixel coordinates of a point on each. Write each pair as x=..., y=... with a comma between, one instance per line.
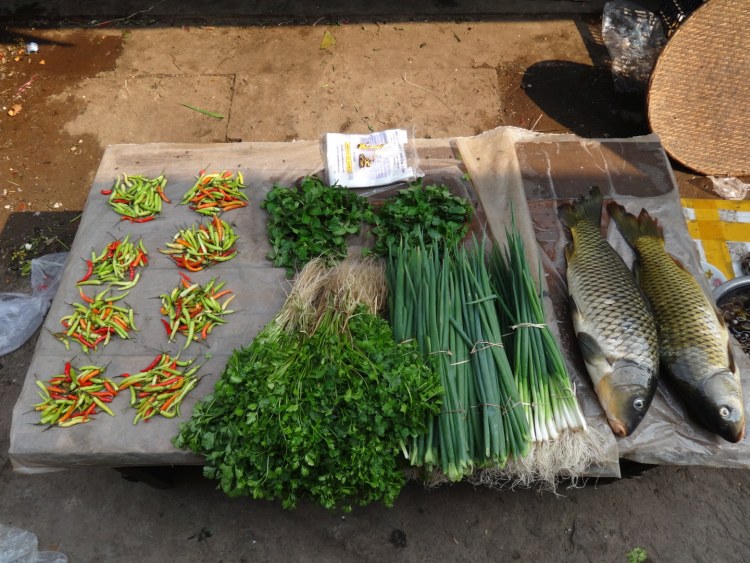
x=136, y=198
x=201, y=245
x=216, y=192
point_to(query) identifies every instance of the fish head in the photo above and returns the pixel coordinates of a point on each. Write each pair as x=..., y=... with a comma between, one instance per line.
x=723, y=410
x=625, y=395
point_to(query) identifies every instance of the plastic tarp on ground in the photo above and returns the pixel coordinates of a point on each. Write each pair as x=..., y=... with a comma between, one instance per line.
x=552, y=169
x=503, y=165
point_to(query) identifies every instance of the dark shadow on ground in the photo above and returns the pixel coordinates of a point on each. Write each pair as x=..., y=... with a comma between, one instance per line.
x=232, y=12
x=582, y=98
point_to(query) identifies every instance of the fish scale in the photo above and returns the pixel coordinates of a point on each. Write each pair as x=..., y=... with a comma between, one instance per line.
x=612, y=319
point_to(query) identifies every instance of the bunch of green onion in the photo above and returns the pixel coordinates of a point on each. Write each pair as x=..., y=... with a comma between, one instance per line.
x=444, y=301
x=540, y=373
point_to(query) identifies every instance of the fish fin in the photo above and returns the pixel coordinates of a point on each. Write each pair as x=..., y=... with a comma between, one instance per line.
x=575, y=312
x=569, y=248
x=632, y=227
x=585, y=209
x=592, y=352
x=732, y=366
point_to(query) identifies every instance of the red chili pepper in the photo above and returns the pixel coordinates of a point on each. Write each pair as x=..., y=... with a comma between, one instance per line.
x=89, y=271
x=66, y=372
x=157, y=359
x=106, y=192
x=82, y=340
x=138, y=219
x=167, y=328
x=85, y=297
x=164, y=198
x=132, y=272
x=89, y=410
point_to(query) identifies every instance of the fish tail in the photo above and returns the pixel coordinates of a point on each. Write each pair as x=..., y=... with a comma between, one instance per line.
x=585, y=209
x=632, y=227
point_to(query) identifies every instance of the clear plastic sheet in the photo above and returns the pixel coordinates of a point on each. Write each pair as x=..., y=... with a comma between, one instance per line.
x=491, y=161
x=636, y=173
x=21, y=314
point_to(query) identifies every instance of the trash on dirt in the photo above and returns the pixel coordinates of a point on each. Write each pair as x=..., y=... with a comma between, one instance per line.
x=32, y=47
x=328, y=40
x=21, y=546
x=21, y=314
x=634, y=38
x=25, y=86
x=729, y=187
x=42, y=62
x=213, y=114
x=15, y=109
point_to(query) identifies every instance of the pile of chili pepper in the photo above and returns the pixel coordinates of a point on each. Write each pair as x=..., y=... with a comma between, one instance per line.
x=74, y=396
x=202, y=245
x=216, y=192
x=194, y=309
x=137, y=198
x=94, y=322
x=118, y=264
x=160, y=387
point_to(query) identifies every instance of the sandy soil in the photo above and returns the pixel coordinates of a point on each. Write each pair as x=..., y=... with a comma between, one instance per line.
x=102, y=85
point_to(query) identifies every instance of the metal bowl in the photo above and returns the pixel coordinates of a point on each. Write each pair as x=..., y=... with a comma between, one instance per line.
x=736, y=284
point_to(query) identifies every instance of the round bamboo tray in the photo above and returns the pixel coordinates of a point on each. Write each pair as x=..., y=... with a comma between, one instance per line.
x=699, y=94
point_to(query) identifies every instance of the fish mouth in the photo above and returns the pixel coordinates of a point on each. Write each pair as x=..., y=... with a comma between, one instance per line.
x=740, y=435
x=619, y=429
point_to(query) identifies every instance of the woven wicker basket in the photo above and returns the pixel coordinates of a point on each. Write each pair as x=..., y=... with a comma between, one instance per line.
x=699, y=94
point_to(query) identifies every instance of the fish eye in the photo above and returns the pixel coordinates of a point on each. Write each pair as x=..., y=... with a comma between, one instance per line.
x=638, y=404
x=724, y=412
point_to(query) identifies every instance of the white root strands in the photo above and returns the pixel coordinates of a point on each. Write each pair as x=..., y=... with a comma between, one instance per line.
x=548, y=463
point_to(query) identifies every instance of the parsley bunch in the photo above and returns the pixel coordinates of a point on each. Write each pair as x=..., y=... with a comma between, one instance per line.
x=320, y=416
x=421, y=213
x=311, y=220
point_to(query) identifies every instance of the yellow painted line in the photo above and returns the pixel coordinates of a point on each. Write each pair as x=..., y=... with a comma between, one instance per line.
x=742, y=205
x=714, y=233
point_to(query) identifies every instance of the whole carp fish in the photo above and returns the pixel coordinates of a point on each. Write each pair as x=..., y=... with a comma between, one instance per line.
x=693, y=339
x=615, y=328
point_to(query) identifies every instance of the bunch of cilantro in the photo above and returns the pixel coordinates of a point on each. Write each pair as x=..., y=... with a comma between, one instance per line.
x=312, y=219
x=319, y=416
x=419, y=213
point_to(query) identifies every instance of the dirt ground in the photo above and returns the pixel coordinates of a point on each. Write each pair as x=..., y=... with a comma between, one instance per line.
x=449, y=74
